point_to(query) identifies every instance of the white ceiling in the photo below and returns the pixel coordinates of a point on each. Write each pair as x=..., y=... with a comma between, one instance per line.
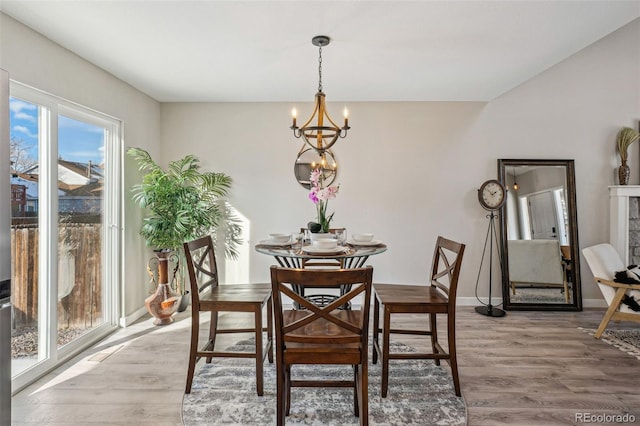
x=228, y=51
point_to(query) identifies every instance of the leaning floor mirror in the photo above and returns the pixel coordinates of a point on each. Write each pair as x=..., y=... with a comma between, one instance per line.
x=539, y=233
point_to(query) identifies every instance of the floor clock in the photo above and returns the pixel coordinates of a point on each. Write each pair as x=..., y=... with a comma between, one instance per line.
x=492, y=195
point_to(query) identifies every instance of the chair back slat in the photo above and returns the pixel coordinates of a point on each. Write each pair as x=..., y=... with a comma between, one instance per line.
x=447, y=260
x=322, y=312
x=298, y=326
x=201, y=265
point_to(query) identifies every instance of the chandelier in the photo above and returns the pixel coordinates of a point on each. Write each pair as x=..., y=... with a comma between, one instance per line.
x=320, y=131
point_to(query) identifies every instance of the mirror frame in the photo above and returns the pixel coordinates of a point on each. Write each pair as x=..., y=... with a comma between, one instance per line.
x=330, y=173
x=570, y=195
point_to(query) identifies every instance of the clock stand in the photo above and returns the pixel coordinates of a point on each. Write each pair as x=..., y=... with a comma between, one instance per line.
x=488, y=309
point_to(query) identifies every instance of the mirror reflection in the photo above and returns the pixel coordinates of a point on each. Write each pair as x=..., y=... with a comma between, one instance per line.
x=309, y=159
x=539, y=232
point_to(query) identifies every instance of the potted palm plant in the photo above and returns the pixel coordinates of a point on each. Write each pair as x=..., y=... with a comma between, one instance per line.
x=183, y=203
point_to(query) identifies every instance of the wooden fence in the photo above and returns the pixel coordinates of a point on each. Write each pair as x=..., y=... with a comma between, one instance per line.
x=79, y=279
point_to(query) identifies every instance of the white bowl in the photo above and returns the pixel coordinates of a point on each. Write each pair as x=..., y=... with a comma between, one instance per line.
x=325, y=243
x=280, y=238
x=362, y=238
x=319, y=235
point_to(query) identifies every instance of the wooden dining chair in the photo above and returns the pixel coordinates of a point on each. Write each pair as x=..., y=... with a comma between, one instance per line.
x=208, y=296
x=321, y=334
x=437, y=298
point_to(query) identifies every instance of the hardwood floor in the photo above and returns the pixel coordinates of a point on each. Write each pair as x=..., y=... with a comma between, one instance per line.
x=528, y=368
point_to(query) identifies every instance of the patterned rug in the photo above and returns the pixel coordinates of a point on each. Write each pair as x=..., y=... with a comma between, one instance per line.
x=420, y=393
x=627, y=340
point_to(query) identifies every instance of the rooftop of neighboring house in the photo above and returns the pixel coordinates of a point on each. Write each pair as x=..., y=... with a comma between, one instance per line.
x=74, y=179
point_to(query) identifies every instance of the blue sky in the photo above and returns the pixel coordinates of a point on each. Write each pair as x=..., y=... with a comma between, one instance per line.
x=77, y=141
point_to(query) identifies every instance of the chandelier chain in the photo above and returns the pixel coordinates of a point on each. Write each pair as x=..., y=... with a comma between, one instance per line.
x=320, y=69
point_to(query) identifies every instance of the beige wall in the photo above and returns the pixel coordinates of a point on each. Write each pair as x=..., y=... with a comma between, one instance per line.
x=404, y=175
x=409, y=171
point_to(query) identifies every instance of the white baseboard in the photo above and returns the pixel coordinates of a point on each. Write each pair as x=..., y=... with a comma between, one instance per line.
x=131, y=318
x=472, y=301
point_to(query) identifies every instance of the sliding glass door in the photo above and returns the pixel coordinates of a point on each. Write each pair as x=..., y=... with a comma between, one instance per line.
x=65, y=229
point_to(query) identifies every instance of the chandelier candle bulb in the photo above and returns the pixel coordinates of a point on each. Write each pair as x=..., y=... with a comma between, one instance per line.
x=294, y=114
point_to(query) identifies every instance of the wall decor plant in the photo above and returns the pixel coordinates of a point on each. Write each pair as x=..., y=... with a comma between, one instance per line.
x=626, y=136
x=183, y=203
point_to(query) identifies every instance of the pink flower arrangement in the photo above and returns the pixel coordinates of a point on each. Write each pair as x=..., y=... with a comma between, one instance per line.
x=320, y=197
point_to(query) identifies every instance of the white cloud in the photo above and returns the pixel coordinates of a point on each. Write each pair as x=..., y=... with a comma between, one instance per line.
x=24, y=116
x=19, y=107
x=24, y=130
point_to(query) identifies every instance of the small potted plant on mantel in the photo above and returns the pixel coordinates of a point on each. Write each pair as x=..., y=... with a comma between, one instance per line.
x=184, y=203
x=626, y=136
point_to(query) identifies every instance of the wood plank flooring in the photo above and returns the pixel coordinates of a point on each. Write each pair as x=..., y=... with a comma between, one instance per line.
x=528, y=368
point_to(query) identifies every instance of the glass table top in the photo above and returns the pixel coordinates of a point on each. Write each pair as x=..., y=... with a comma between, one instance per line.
x=307, y=252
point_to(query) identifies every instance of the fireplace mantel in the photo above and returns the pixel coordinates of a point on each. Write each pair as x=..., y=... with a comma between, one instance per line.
x=619, y=217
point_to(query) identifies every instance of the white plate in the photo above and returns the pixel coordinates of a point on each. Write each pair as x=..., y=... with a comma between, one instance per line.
x=274, y=243
x=318, y=250
x=367, y=243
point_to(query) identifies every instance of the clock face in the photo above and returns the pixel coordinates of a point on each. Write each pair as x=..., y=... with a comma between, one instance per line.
x=492, y=195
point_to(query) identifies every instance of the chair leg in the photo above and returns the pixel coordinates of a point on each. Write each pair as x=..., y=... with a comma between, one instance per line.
x=613, y=307
x=363, y=393
x=376, y=330
x=257, y=314
x=356, y=395
x=433, y=329
x=386, y=325
x=287, y=383
x=280, y=394
x=213, y=330
x=193, y=349
x=453, y=358
x=270, y=328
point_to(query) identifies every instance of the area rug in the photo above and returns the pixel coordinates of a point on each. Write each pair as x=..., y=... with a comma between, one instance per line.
x=627, y=340
x=420, y=393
